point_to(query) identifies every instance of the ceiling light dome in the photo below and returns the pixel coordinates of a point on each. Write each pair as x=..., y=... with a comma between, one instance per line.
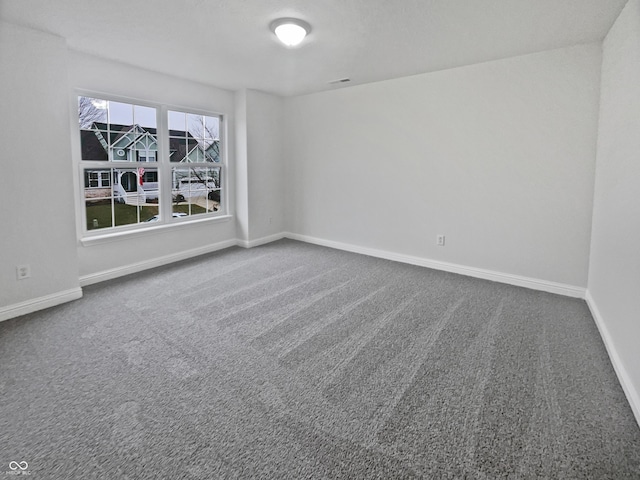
x=290, y=31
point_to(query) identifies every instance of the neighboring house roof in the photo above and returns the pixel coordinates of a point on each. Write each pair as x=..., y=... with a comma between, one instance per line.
x=91, y=147
x=94, y=145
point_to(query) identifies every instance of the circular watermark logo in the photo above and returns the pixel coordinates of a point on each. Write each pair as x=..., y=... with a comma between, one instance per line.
x=18, y=468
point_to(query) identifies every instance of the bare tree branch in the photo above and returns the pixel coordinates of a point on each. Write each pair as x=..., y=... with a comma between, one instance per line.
x=89, y=113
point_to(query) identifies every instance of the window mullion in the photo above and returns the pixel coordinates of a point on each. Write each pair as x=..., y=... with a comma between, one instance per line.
x=164, y=168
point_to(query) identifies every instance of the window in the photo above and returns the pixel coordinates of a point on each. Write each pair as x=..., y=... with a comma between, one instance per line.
x=194, y=143
x=97, y=179
x=128, y=181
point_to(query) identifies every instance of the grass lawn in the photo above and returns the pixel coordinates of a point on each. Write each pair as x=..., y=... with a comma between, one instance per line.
x=99, y=214
x=184, y=208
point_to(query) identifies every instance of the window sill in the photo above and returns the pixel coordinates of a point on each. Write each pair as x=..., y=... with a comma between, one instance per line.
x=141, y=232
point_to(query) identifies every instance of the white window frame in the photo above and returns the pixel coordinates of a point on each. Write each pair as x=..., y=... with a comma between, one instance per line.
x=221, y=164
x=162, y=164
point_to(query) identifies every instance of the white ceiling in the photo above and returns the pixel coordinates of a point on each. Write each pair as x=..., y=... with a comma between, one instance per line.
x=227, y=43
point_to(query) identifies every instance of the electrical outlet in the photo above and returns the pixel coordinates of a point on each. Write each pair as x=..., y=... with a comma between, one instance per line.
x=440, y=240
x=23, y=271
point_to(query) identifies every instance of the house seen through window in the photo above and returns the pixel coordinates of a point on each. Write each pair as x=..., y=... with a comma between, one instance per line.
x=131, y=181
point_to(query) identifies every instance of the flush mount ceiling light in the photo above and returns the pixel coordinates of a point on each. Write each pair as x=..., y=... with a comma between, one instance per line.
x=290, y=31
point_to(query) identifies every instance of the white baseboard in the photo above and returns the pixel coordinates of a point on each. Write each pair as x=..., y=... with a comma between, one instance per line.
x=40, y=303
x=155, y=262
x=532, y=283
x=623, y=377
x=260, y=241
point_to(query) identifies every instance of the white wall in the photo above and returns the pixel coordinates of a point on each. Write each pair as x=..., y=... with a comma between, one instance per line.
x=36, y=189
x=614, y=275
x=130, y=254
x=241, y=161
x=260, y=166
x=266, y=187
x=498, y=156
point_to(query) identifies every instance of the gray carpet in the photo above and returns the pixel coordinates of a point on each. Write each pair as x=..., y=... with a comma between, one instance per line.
x=297, y=361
